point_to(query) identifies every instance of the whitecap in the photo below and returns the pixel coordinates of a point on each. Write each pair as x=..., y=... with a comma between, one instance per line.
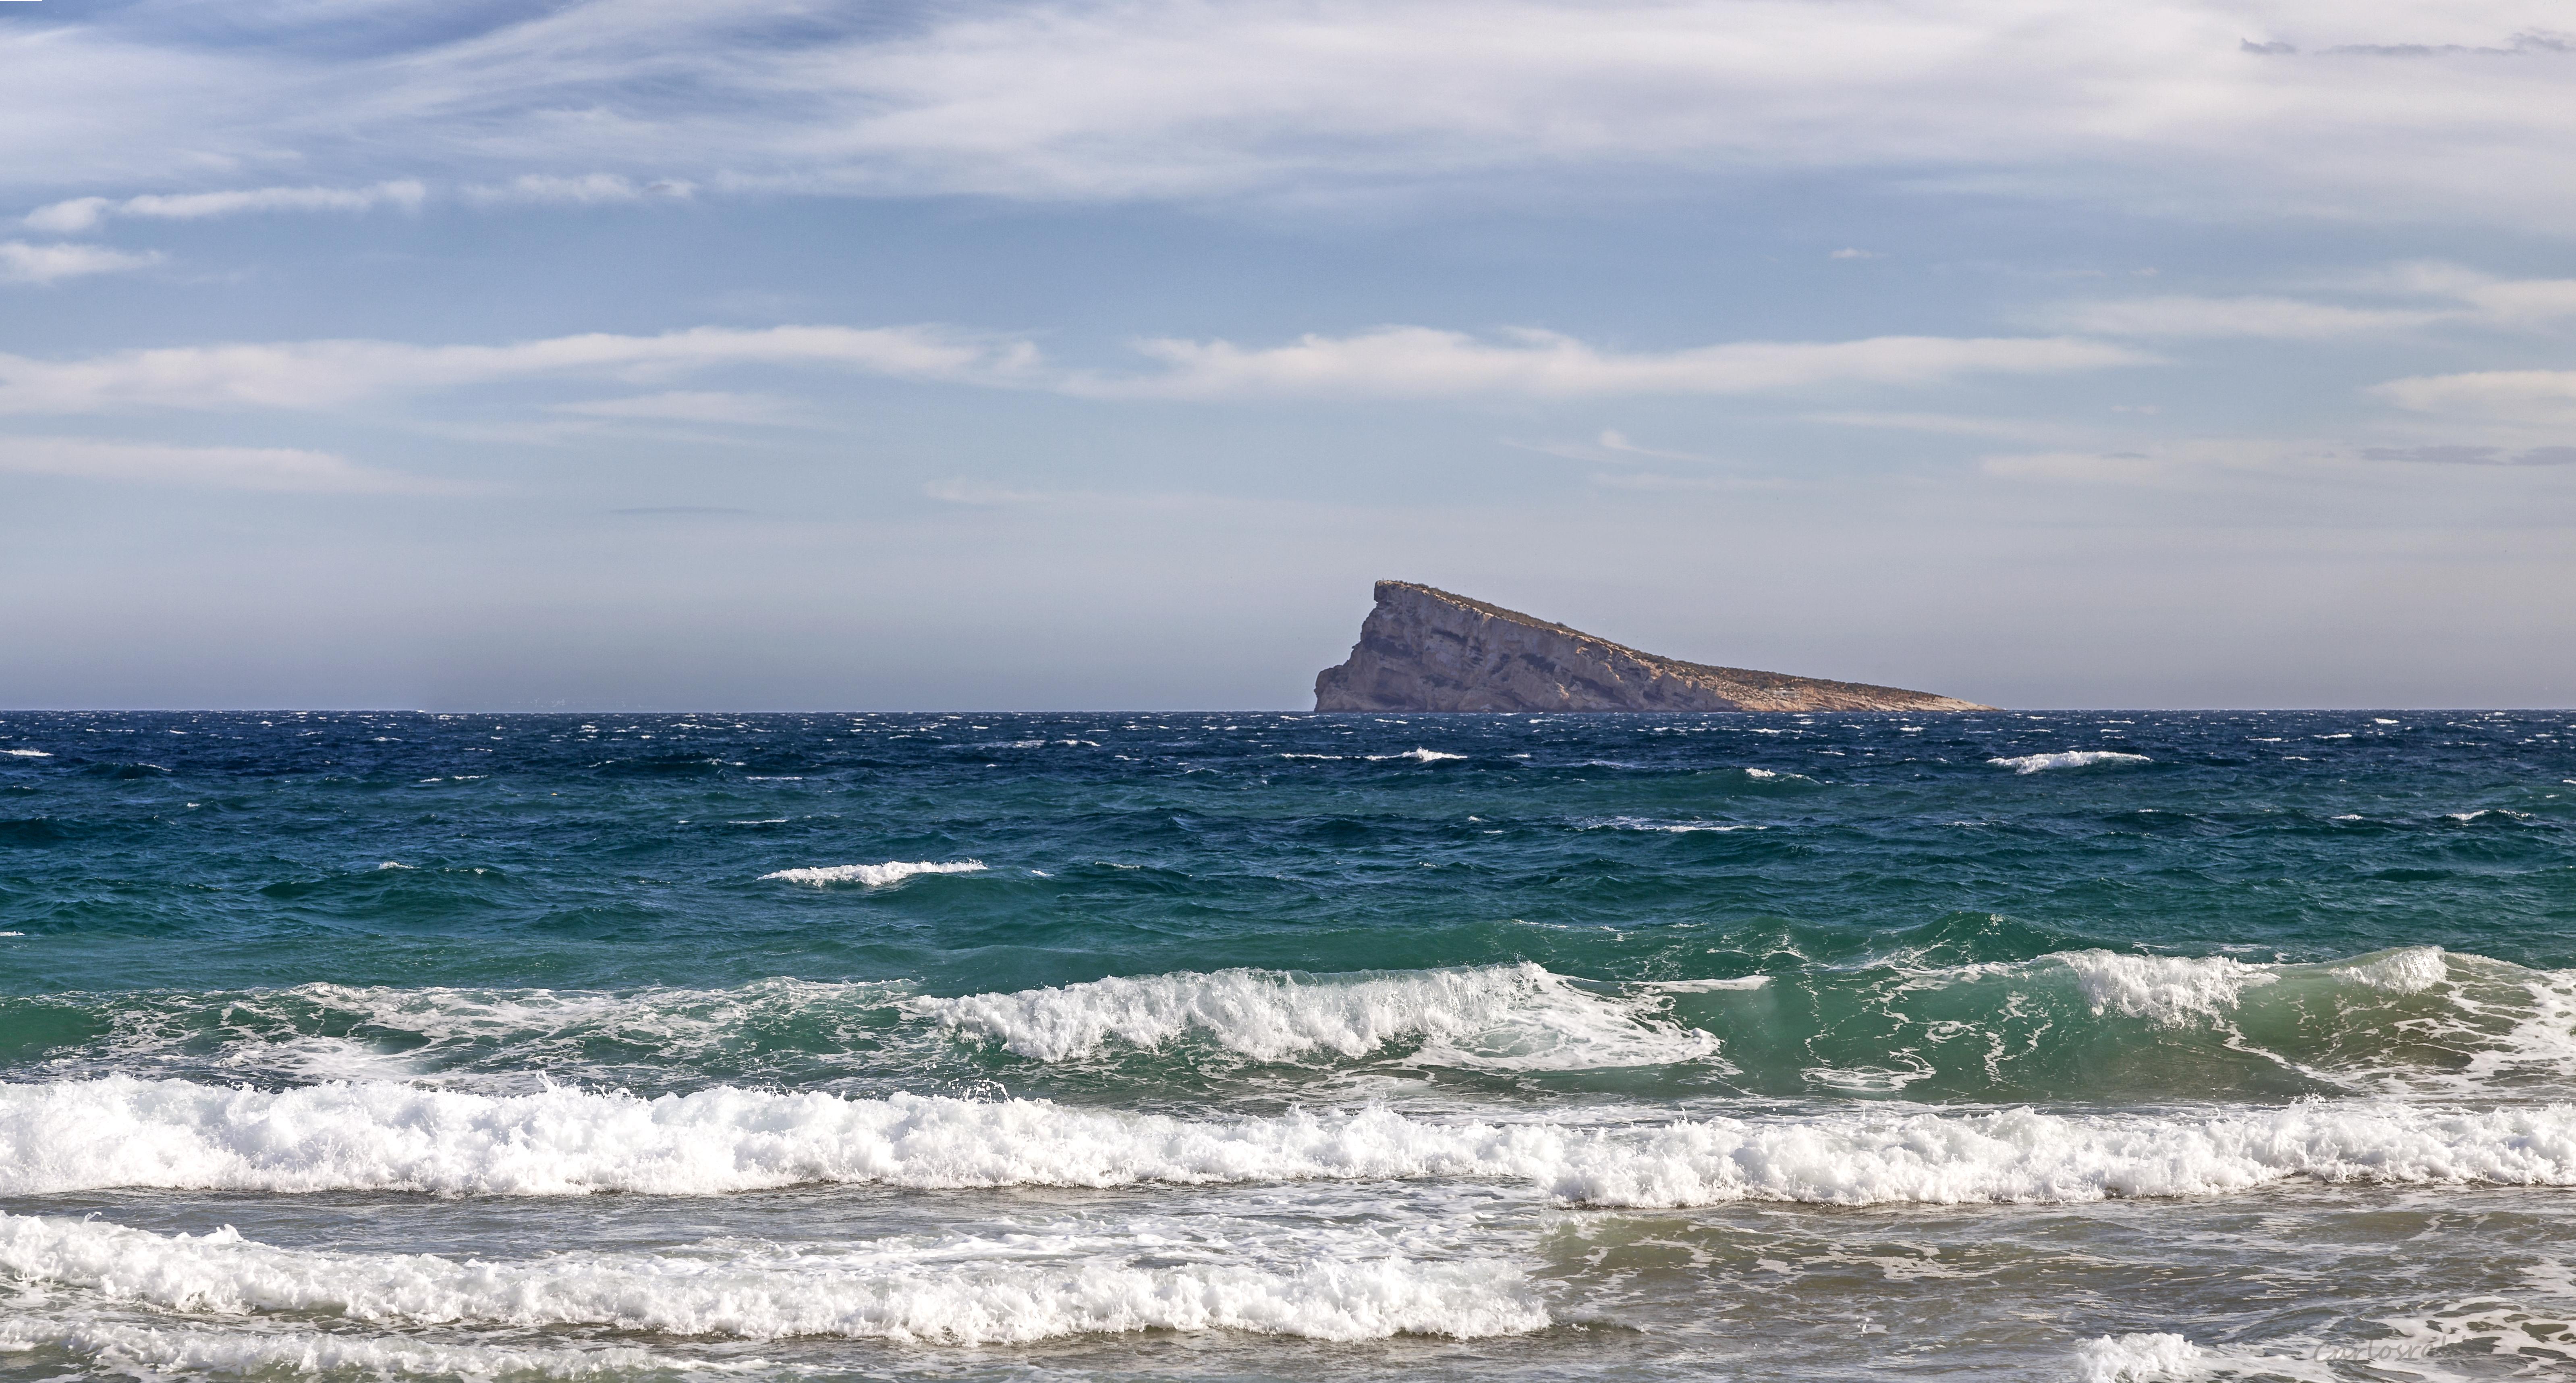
x=1500, y=1017
x=2148, y=1358
x=1639, y=823
x=123, y=1132
x=150, y=1352
x=2073, y=758
x=872, y=875
x=1704, y=986
x=2164, y=988
x=903, y=1290
x=26, y=753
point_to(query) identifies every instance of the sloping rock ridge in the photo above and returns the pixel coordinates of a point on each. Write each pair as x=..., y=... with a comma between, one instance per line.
x=1424, y=649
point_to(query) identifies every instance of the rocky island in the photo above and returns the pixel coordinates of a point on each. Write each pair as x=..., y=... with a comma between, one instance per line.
x=1424, y=649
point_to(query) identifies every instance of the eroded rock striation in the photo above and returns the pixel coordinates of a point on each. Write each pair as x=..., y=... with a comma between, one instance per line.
x=1424, y=649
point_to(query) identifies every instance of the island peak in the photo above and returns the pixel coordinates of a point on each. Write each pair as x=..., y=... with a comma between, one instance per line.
x=1426, y=649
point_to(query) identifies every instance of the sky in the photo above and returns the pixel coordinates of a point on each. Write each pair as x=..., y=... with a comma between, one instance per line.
x=623, y=354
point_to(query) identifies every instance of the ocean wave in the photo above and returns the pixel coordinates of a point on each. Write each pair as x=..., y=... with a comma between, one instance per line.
x=1640, y=823
x=2414, y=1021
x=26, y=753
x=155, y=1352
x=122, y=1132
x=489, y=1038
x=2147, y=1358
x=954, y=1291
x=1501, y=1017
x=873, y=875
x=2075, y=1024
x=2072, y=758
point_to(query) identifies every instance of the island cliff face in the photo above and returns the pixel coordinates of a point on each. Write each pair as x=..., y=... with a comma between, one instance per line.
x=1427, y=650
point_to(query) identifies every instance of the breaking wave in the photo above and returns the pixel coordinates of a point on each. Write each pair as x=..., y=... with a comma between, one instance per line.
x=122, y=1132
x=2081, y=1024
x=2073, y=758
x=873, y=875
x=150, y=1352
x=956, y=1291
x=1502, y=1017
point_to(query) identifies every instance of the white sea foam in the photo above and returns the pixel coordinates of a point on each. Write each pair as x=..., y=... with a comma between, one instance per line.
x=495, y=1039
x=151, y=1353
x=1500, y=1017
x=1639, y=823
x=873, y=875
x=2153, y=1358
x=26, y=753
x=1704, y=986
x=122, y=1132
x=2407, y=970
x=1420, y=756
x=955, y=1291
x=2167, y=989
x=2072, y=758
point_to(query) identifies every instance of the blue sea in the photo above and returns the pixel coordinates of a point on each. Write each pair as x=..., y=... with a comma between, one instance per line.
x=2056, y=1045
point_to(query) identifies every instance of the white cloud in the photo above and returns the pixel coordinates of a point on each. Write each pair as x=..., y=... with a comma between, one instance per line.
x=2195, y=462
x=1611, y=446
x=1392, y=362
x=2464, y=455
x=590, y=189
x=228, y=468
x=1848, y=253
x=327, y=374
x=983, y=495
x=2544, y=397
x=2444, y=294
x=2182, y=462
x=2269, y=318
x=1950, y=424
x=692, y=407
x=24, y=263
x=1421, y=362
x=86, y=213
x=2392, y=109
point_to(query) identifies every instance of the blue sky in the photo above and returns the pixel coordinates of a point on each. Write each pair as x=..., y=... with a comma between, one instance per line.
x=624, y=354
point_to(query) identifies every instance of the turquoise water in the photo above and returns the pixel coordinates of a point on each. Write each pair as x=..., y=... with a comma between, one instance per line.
x=2058, y=1045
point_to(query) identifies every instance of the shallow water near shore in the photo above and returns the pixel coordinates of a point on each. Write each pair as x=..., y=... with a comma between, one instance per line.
x=2051, y=1045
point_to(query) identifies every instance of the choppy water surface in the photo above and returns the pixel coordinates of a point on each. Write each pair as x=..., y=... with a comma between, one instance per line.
x=2066, y=1045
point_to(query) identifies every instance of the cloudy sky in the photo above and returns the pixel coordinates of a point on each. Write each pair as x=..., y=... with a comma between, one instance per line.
x=625, y=353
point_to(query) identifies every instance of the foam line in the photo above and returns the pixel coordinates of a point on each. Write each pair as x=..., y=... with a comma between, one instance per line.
x=773, y=1294
x=122, y=1132
x=1498, y=1017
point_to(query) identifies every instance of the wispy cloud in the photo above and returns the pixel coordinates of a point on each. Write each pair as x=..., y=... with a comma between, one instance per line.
x=982, y=494
x=2160, y=101
x=271, y=469
x=2442, y=294
x=2267, y=318
x=1611, y=446
x=1391, y=363
x=1423, y=362
x=327, y=374
x=759, y=410
x=590, y=189
x=2473, y=455
x=87, y=213
x=2546, y=397
x=24, y=263
x=1952, y=425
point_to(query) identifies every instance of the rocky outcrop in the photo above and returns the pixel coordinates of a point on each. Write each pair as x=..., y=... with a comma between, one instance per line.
x=1427, y=650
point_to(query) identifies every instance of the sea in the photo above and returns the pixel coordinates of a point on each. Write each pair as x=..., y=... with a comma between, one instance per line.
x=2052, y=1045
